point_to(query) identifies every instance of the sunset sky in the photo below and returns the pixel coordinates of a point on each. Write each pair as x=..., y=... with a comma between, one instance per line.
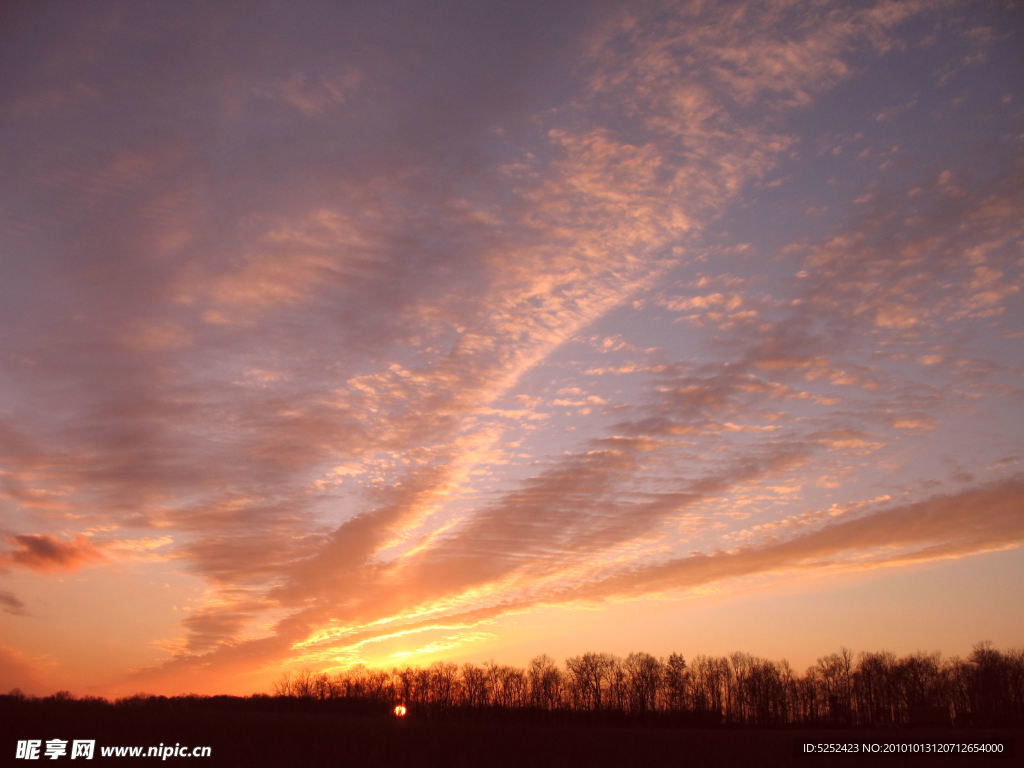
x=384, y=333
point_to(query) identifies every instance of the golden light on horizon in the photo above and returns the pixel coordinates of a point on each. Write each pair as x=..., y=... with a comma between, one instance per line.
x=400, y=710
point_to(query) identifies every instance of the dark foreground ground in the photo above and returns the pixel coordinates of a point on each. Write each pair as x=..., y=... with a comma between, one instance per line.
x=295, y=737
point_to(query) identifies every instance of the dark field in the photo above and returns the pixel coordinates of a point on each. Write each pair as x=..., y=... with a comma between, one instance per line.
x=269, y=732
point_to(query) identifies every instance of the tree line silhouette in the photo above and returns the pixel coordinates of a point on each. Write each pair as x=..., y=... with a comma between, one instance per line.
x=874, y=689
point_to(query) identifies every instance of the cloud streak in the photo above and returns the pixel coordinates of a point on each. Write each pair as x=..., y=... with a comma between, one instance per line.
x=45, y=553
x=12, y=604
x=956, y=525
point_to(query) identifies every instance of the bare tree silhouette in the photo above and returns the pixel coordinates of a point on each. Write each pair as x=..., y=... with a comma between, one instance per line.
x=875, y=689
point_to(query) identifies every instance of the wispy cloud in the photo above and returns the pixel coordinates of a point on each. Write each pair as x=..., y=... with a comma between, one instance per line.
x=927, y=530
x=12, y=604
x=43, y=552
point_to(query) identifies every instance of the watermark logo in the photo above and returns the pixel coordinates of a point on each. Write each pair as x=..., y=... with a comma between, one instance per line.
x=29, y=749
x=53, y=749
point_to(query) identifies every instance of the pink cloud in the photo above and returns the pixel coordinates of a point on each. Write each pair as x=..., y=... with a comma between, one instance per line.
x=976, y=520
x=47, y=553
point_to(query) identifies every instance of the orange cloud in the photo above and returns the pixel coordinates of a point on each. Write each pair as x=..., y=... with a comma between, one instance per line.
x=11, y=604
x=976, y=520
x=47, y=553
